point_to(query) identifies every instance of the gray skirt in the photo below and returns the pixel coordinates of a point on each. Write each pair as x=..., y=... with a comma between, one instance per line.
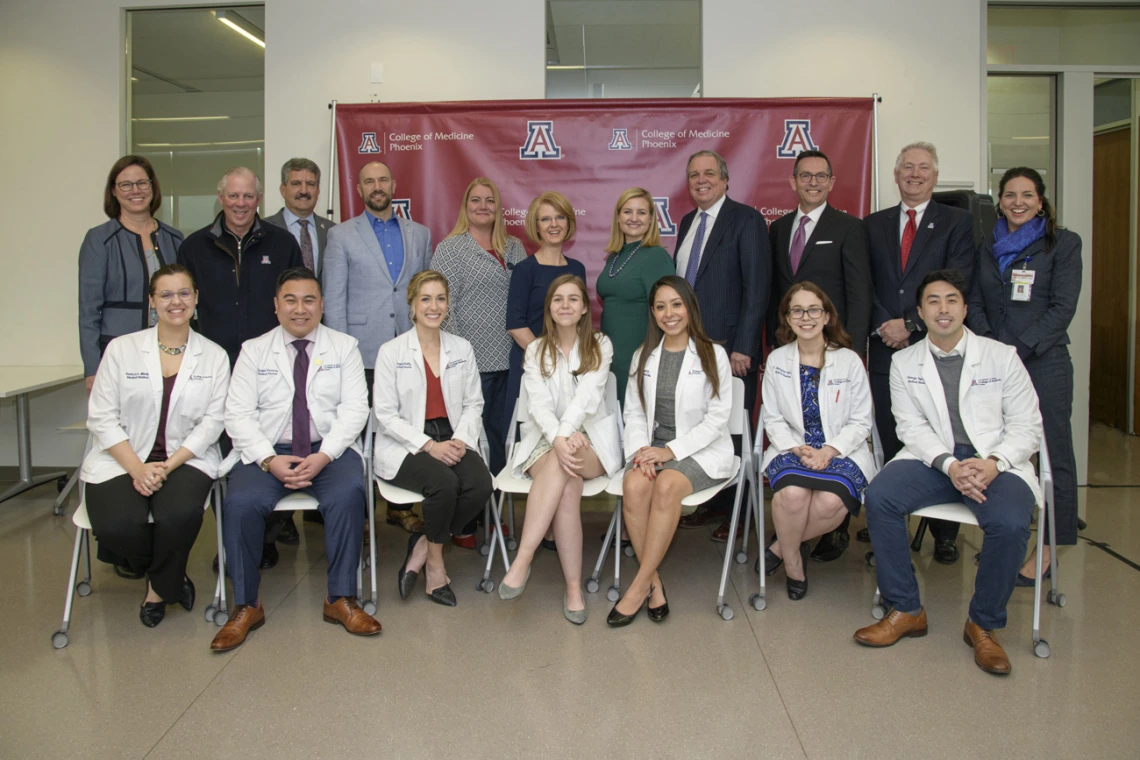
x=687, y=467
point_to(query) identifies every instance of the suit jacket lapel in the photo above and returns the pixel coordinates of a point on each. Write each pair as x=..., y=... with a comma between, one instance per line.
x=821, y=231
x=926, y=229
x=686, y=222
x=713, y=236
x=894, y=240
x=368, y=236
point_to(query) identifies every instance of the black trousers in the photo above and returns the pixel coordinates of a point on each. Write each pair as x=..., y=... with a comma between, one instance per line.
x=1052, y=376
x=941, y=530
x=453, y=496
x=119, y=520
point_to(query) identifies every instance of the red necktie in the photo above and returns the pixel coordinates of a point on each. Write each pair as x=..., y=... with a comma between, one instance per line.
x=909, y=232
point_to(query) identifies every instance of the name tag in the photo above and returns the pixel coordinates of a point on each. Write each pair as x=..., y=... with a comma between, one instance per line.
x=404, y=365
x=915, y=380
x=455, y=363
x=1026, y=276
x=328, y=367
x=266, y=372
x=839, y=381
x=201, y=377
x=1022, y=284
x=138, y=375
x=780, y=372
x=984, y=381
x=697, y=371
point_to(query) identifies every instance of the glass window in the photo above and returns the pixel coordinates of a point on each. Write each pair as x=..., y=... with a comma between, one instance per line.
x=1021, y=126
x=197, y=102
x=623, y=49
x=1063, y=36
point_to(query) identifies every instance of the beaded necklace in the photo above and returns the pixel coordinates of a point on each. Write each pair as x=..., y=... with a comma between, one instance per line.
x=636, y=248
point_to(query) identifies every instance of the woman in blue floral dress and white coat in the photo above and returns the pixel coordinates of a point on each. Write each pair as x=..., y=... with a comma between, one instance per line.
x=817, y=414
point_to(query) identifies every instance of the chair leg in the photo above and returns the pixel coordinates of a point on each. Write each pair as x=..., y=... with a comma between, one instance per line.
x=87, y=560
x=615, y=590
x=57, y=508
x=372, y=553
x=485, y=583
x=592, y=583
x=512, y=539
x=724, y=610
x=59, y=638
x=919, y=535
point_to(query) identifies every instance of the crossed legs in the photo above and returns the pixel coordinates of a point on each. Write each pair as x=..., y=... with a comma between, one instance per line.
x=651, y=509
x=800, y=514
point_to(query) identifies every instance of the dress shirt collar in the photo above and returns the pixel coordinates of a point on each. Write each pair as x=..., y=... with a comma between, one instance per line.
x=920, y=209
x=291, y=218
x=814, y=215
x=378, y=223
x=712, y=210
x=958, y=350
x=290, y=339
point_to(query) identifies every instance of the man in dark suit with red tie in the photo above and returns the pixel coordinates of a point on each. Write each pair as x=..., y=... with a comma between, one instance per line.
x=907, y=242
x=722, y=250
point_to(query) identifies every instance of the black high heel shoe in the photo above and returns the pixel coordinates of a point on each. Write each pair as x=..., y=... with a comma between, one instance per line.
x=797, y=590
x=151, y=613
x=657, y=614
x=406, y=579
x=616, y=619
x=188, y=594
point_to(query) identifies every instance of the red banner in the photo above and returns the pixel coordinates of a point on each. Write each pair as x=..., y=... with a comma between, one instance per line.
x=591, y=150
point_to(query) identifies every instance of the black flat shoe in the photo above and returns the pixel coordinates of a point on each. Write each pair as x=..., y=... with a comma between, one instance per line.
x=863, y=536
x=152, y=613
x=616, y=619
x=269, y=556
x=831, y=546
x=549, y=544
x=288, y=533
x=187, y=600
x=657, y=614
x=406, y=580
x=1024, y=581
x=444, y=595
x=772, y=562
x=946, y=552
x=797, y=590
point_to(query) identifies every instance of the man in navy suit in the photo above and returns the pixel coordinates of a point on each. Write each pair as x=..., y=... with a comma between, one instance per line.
x=907, y=242
x=722, y=250
x=820, y=244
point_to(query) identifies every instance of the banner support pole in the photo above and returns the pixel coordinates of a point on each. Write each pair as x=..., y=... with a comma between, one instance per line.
x=875, y=101
x=332, y=159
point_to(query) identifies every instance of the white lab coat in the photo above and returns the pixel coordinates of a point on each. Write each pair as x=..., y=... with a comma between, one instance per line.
x=562, y=404
x=996, y=400
x=260, y=403
x=702, y=419
x=399, y=397
x=127, y=397
x=845, y=409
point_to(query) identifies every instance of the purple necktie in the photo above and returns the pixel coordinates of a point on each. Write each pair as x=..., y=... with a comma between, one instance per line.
x=695, y=252
x=799, y=240
x=306, y=245
x=302, y=446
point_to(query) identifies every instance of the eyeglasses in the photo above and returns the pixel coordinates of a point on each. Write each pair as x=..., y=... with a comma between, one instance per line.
x=183, y=295
x=142, y=184
x=815, y=312
x=806, y=177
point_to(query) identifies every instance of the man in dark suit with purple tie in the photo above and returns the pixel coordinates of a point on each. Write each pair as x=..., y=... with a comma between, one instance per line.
x=907, y=242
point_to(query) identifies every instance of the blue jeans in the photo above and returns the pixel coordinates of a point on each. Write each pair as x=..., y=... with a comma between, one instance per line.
x=905, y=486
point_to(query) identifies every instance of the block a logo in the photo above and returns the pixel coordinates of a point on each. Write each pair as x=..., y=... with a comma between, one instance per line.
x=797, y=138
x=620, y=140
x=402, y=207
x=368, y=143
x=540, y=144
x=665, y=222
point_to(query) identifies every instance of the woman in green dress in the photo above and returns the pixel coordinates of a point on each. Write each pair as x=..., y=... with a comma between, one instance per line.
x=636, y=260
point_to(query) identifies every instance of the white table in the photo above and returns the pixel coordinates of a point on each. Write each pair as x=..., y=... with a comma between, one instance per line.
x=19, y=382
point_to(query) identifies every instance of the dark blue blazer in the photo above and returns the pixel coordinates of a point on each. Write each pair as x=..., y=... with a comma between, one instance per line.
x=945, y=240
x=734, y=278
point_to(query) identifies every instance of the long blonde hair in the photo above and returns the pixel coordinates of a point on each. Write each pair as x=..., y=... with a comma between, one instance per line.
x=498, y=231
x=589, y=350
x=652, y=235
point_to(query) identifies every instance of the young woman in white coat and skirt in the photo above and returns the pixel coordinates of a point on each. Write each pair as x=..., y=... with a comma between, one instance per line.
x=429, y=404
x=569, y=438
x=817, y=414
x=156, y=410
x=677, y=405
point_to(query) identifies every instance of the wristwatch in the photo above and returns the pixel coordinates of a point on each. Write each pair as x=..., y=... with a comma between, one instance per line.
x=265, y=462
x=1001, y=465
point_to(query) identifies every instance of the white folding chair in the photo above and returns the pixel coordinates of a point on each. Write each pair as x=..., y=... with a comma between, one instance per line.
x=960, y=513
x=218, y=612
x=83, y=548
x=613, y=531
x=57, y=507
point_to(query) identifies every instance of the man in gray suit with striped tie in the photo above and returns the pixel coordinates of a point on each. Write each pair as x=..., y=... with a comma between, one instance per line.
x=367, y=266
x=300, y=189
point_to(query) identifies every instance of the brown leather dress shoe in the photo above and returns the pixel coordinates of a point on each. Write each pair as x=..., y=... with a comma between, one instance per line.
x=347, y=612
x=988, y=654
x=699, y=517
x=406, y=519
x=892, y=628
x=244, y=619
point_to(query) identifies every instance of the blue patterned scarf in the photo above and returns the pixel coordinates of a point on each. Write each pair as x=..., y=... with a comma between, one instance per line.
x=1009, y=245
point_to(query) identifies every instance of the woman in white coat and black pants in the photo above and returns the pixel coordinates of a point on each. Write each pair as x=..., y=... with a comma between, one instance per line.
x=569, y=438
x=157, y=403
x=817, y=414
x=428, y=402
x=677, y=406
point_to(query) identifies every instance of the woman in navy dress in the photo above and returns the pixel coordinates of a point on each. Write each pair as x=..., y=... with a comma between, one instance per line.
x=550, y=224
x=817, y=414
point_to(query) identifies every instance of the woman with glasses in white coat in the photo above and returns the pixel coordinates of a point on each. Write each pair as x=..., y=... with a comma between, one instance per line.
x=677, y=406
x=817, y=414
x=570, y=437
x=428, y=403
x=156, y=411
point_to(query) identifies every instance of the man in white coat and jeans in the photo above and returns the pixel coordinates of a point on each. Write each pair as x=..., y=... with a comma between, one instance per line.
x=296, y=405
x=968, y=419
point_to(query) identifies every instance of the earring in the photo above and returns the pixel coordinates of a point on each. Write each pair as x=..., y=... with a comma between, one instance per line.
x=195, y=313
x=1040, y=212
x=1000, y=215
x=153, y=316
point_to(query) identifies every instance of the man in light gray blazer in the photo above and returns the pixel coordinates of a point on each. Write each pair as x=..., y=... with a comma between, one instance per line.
x=369, y=261
x=300, y=189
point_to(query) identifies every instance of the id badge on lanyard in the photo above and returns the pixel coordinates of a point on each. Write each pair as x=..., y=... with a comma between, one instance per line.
x=1022, y=284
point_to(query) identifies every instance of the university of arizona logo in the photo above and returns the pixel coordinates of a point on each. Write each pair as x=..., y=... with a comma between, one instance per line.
x=797, y=138
x=368, y=143
x=402, y=207
x=665, y=222
x=620, y=140
x=540, y=144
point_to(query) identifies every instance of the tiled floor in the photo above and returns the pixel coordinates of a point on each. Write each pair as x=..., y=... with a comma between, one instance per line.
x=514, y=679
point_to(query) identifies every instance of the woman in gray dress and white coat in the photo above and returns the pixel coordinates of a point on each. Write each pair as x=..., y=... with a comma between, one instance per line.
x=677, y=406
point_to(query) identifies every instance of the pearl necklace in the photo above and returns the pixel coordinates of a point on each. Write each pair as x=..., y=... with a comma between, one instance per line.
x=636, y=248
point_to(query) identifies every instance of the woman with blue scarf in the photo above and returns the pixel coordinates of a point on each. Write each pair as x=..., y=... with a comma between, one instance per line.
x=1026, y=285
